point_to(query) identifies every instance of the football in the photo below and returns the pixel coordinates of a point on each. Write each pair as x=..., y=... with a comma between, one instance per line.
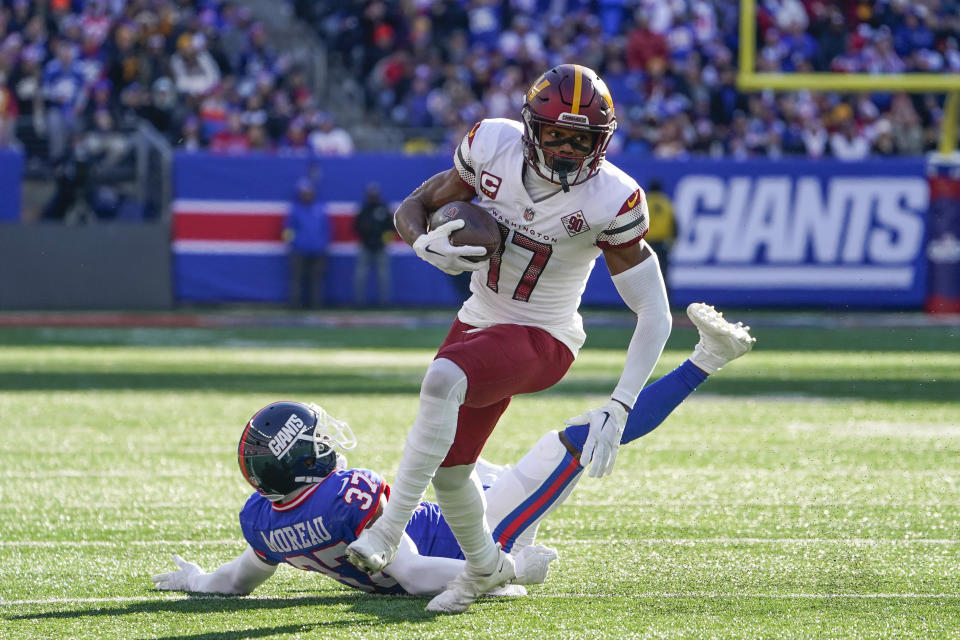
x=480, y=230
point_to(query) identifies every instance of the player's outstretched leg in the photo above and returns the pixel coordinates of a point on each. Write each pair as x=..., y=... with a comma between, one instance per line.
x=527, y=492
x=542, y=480
x=720, y=342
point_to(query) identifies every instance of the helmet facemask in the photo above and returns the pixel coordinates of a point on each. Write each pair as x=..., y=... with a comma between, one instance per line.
x=329, y=433
x=564, y=169
x=278, y=466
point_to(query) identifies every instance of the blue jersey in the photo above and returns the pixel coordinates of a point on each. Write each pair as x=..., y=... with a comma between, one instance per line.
x=431, y=533
x=312, y=531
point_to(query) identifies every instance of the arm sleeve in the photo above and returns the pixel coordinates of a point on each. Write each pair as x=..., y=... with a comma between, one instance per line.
x=422, y=575
x=239, y=576
x=644, y=291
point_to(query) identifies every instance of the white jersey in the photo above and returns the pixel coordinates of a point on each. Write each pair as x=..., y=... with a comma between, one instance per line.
x=550, y=246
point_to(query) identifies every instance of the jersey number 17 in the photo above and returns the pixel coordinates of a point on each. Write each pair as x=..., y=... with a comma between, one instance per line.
x=538, y=261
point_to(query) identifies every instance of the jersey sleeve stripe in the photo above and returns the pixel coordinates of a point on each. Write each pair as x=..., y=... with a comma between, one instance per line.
x=373, y=510
x=467, y=183
x=468, y=175
x=626, y=227
x=463, y=163
x=604, y=245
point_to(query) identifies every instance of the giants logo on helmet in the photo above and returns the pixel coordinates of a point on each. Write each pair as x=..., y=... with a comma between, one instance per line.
x=285, y=438
x=489, y=184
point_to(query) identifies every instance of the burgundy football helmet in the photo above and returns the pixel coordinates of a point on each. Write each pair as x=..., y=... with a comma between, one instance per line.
x=574, y=97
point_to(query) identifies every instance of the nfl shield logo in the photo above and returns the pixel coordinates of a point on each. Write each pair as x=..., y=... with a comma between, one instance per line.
x=528, y=214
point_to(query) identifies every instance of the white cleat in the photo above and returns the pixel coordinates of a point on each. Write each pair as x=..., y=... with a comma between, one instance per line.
x=370, y=552
x=463, y=590
x=507, y=591
x=720, y=341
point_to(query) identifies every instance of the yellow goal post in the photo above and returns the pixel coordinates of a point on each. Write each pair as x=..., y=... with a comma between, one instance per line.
x=749, y=80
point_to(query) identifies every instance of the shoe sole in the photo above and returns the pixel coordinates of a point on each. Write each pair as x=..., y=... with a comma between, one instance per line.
x=710, y=321
x=367, y=565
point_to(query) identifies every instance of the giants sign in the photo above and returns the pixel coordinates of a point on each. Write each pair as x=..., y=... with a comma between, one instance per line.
x=801, y=238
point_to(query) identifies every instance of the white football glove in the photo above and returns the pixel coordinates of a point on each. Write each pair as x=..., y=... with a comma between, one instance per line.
x=603, y=439
x=532, y=564
x=183, y=580
x=435, y=248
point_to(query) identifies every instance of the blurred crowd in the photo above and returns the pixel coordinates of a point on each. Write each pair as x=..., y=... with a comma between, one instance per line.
x=670, y=65
x=74, y=74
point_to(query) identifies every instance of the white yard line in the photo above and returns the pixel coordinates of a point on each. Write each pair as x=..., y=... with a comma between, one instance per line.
x=810, y=504
x=573, y=596
x=563, y=541
x=771, y=541
x=119, y=543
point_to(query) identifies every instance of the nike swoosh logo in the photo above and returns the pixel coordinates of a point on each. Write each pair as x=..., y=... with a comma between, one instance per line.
x=605, y=419
x=498, y=569
x=427, y=249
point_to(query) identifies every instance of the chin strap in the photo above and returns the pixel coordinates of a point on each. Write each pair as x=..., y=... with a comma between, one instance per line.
x=563, y=166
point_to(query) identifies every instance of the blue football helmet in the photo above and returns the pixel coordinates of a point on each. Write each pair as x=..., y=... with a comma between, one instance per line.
x=290, y=445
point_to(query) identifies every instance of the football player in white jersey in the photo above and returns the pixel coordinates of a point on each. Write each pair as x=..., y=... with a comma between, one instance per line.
x=559, y=206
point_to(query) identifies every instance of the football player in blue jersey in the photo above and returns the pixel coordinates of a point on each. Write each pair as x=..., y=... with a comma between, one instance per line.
x=309, y=506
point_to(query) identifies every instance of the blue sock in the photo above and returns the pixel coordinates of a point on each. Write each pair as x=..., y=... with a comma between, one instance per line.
x=655, y=402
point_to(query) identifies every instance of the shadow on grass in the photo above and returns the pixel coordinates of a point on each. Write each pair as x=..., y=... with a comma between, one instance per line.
x=307, y=383
x=358, y=609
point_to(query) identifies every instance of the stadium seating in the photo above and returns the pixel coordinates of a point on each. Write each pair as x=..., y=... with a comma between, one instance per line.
x=77, y=74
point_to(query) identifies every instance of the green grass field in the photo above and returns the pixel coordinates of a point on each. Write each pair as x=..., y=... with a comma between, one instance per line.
x=811, y=489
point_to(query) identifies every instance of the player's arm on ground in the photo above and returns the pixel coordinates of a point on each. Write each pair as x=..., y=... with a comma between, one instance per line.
x=422, y=575
x=240, y=576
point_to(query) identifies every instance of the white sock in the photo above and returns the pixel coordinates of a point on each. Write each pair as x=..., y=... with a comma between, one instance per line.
x=461, y=500
x=460, y=496
x=428, y=442
x=707, y=361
